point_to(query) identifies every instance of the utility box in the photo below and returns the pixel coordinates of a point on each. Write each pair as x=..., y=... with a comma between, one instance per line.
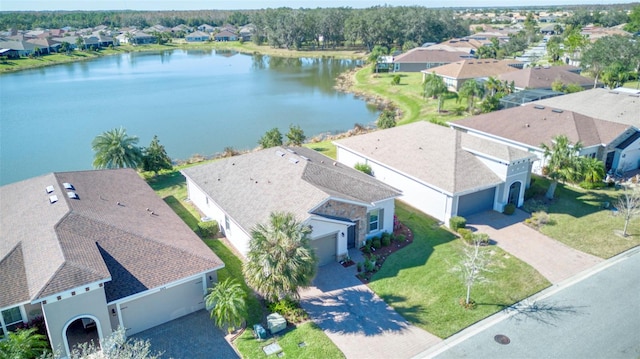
x=276, y=323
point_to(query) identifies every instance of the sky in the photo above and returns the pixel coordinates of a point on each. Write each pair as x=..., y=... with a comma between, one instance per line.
x=19, y=5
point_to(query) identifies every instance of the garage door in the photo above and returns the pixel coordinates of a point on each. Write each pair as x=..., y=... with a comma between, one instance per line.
x=476, y=202
x=160, y=307
x=325, y=248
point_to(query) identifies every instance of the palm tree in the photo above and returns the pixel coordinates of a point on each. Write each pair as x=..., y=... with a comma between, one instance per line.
x=562, y=161
x=472, y=89
x=435, y=87
x=493, y=85
x=226, y=301
x=280, y=258
x=23, y=343
x=115, y=149
x=592, y=169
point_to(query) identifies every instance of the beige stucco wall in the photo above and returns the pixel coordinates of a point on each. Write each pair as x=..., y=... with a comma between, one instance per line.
x=87, y=304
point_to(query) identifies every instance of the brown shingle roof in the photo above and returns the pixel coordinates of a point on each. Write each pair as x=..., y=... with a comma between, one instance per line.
x=471, y=69
x=543, y=77
x=532, y=126
x=422, y=54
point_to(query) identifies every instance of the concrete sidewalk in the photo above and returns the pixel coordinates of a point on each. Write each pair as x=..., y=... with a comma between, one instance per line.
x=554, y=260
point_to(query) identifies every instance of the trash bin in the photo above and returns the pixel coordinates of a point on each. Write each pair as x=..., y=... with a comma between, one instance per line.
x=259, y=332
x=276, y=323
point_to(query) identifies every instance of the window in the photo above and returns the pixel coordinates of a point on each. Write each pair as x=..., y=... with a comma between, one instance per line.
x=226, y=222
x=375, y=220
x=12, y=318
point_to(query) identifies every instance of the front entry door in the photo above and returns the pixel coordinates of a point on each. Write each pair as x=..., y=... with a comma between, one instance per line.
x=514, y=193
x=351, y=236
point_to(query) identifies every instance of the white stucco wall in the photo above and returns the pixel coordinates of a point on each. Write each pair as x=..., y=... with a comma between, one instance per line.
x=629, y=158
x=58, y=314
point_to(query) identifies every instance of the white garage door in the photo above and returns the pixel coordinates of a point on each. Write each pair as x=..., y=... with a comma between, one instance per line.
x=160, y=307
x=325, y=248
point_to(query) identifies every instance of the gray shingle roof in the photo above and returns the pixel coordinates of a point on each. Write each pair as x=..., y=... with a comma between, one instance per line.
x=543, y=77
x=111, y=213
x=251, y=186
x=436, y=155
x=532, y=126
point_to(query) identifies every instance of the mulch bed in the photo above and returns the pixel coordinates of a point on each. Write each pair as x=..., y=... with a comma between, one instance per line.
x=383, y=253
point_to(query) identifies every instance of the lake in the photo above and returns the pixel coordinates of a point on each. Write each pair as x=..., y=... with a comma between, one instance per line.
x=197, y=102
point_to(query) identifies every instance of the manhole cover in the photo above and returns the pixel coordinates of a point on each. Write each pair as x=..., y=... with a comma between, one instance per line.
x=502, y=339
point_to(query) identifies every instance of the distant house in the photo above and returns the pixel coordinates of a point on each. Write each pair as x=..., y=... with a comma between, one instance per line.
x=246, y=32
x=457, y=73
x=421, y=58
x=440, y=171
x=45, y=45
x=343, y=206
x=206, y=28
x=18, y=48
x=182, y=27
x=136, y=38
x=544, y=77
x=225, y=36
x=470, y=46
x=197, y=36
x=93, y=250
x=527, y=127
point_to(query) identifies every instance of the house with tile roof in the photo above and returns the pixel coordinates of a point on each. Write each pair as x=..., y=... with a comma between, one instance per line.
x=441, y=171
x=542, y=78
x=94, y=250
x=457, y=73
x=527, y=127
x=343, y=206
x=422, y=58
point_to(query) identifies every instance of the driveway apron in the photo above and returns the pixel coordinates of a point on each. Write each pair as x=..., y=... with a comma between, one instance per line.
x=360, y=323
x=554, y=260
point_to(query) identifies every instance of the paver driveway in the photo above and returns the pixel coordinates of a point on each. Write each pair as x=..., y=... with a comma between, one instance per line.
x=360, y=323
x=554, y=260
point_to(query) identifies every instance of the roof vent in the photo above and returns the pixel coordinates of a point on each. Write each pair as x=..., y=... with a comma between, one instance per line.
x=538, y=107
x=290, y=150
x=556, y=110
x=53, y=198
x=49, y=189
x=293, y=160
x=72, y=195
x=305, y=158
x=279, y=153
x=68, y=185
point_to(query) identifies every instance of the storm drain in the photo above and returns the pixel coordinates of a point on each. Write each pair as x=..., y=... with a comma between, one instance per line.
x=502, y=339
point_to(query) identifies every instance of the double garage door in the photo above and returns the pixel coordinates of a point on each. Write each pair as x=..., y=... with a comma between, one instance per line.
x=476, y=202
x=325, y=248
x=162, y=306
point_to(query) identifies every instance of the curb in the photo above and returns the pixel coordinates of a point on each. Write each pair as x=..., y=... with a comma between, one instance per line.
x=508, y=312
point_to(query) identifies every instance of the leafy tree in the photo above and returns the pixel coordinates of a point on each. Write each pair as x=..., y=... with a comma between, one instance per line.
x=574, y=42
x=490, y=103
x=226, y=302
x=634, y=20
x=65, y=47
x=562, y=161
x=554, y=51
x=238, y=18
x=271, y=138
x=615, y=54
x=280, y=259
x=387, y=119
x=629, y=206
x=435, y=87
x=155, y=158
x=472, y=89
x=23, y=343
x=295, y=136
x=615, y=75
x=116, y=149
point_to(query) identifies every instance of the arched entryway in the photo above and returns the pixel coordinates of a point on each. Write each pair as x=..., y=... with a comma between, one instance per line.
x=514, y=193
x=82, y=329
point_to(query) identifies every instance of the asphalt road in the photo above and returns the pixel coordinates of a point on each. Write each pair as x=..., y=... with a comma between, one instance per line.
x=597, y=317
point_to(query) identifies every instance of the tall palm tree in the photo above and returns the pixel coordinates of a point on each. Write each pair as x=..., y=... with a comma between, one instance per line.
x=116, y=149
x=562, y=161
x=226, y=301
x=280, y=258
x=435, y=87
x=23, y=343
x=472, y=89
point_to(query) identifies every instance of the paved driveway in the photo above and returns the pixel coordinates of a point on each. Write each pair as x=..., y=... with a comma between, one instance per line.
x=554, y=260
x=192, y=336
x=360, y=323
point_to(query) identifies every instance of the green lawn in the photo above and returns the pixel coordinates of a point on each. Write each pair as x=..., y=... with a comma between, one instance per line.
x=420, y=283
x=579, y=220
x=325, y=147
x=171, y=186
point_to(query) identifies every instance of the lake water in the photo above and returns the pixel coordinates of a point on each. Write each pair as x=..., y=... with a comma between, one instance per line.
x=197, y=102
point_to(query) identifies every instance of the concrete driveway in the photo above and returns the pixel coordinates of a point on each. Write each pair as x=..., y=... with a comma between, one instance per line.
x=192, y=336
x=554, y=260
x=360, y=323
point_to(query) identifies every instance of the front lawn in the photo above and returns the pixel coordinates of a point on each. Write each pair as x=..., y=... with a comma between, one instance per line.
x=581, y=222
x=419, y=281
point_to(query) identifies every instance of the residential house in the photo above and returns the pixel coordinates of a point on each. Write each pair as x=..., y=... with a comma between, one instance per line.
x=182, y=27
x=246, y=32
x=94, y=250
x=206, y=28
x=528, y=127
x=457, y=73
x=543, y=78
x=343, y=206
x=421, y=58
x=225, y=36
x=197, y=36
x=17, y=48
x=136, y=38
x=440, y=171
x=470, y=46
x=45, y=45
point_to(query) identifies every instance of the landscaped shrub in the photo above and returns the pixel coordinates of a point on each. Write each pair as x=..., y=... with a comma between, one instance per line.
x=466, y=235
x=395, y=80
x=290, y=310
x=367, y=247
x=534, y=205
x=363, y=167
x=533, y=192
x=208, y=229
x=539, y=219
x=385, y=240
x=401, y=238
x=481, y=238
x=509, y=209
x=377, y=244
x=370, y=264
x=457, y=222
